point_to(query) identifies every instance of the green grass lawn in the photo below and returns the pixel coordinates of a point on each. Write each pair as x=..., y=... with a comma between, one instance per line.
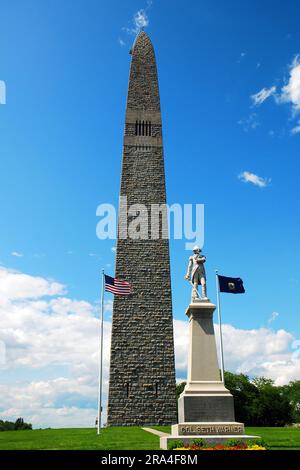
x=132, y=438
x=278, y=438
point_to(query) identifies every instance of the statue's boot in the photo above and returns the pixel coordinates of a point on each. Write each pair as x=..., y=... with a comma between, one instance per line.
x=204, y=292
x=195, y=295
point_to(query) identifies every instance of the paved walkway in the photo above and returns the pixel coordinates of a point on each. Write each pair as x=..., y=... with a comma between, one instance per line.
x=155, y=431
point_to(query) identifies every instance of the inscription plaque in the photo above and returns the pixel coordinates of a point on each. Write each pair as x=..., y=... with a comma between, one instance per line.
x=210, y=429
x=206, y=409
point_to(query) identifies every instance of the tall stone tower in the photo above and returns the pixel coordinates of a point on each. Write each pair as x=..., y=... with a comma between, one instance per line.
x=142, y=370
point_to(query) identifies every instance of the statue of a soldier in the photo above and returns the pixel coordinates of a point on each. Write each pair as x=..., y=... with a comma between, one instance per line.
x=196, y=274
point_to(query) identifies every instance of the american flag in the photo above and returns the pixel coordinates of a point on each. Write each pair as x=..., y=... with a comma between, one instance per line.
x=116, y=286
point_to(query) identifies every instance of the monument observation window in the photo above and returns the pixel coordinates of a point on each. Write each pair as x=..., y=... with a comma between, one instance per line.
x=143, y=128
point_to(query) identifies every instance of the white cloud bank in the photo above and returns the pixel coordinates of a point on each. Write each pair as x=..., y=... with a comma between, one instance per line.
x=256, y=352
x=259, y=181
x=50, y=345
x=290, y=93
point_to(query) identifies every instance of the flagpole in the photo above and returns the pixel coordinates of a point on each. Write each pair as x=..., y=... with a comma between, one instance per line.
x=220, y=326
x=100, y=357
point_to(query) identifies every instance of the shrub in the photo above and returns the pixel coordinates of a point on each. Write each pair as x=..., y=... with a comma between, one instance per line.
x=174, y=444
x=200, y=443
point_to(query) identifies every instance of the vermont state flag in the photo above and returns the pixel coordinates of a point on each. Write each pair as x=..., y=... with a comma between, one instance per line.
x=232, y=285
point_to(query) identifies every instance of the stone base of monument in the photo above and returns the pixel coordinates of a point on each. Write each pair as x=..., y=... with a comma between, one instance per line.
x=212, y=433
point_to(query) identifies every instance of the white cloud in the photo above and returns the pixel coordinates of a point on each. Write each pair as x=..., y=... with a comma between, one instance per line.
x=140, y=20
x=248, y=177
x=295, y=129
x=122, y=43
x=2, y=92
x=262, y=95
x=257, y=353
x=16, y=285
x=51, y=403
x=108, y=306
x=113, y=249
x=290, y=93
x=273, y=317
x=56, y=332
x=17, y=254
x=62, y=334
x=181, y=339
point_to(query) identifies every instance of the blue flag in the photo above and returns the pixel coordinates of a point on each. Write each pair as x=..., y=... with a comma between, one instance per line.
x=232, y=285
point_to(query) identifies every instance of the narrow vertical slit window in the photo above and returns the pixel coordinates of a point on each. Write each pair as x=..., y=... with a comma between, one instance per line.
x=156, y=389
x=127, y=390
x=143, y=128
x=136, y=128
x=150, y=129
x=146, y=127
x=140, y=128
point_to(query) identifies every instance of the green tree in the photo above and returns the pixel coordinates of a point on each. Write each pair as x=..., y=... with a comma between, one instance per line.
x=292, y=392
x=262, y=382
x=21, y=425
x=179, y=389
x=271, y=407
x=18, y=425
x=244, y=392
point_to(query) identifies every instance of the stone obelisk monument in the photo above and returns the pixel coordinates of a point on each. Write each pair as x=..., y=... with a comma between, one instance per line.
x=142, y=371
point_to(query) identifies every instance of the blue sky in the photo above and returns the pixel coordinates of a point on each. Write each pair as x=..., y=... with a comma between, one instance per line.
x=65, y=66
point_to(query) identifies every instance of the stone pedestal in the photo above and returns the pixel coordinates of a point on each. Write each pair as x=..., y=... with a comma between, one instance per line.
x=205, y=398
x=205, y=408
